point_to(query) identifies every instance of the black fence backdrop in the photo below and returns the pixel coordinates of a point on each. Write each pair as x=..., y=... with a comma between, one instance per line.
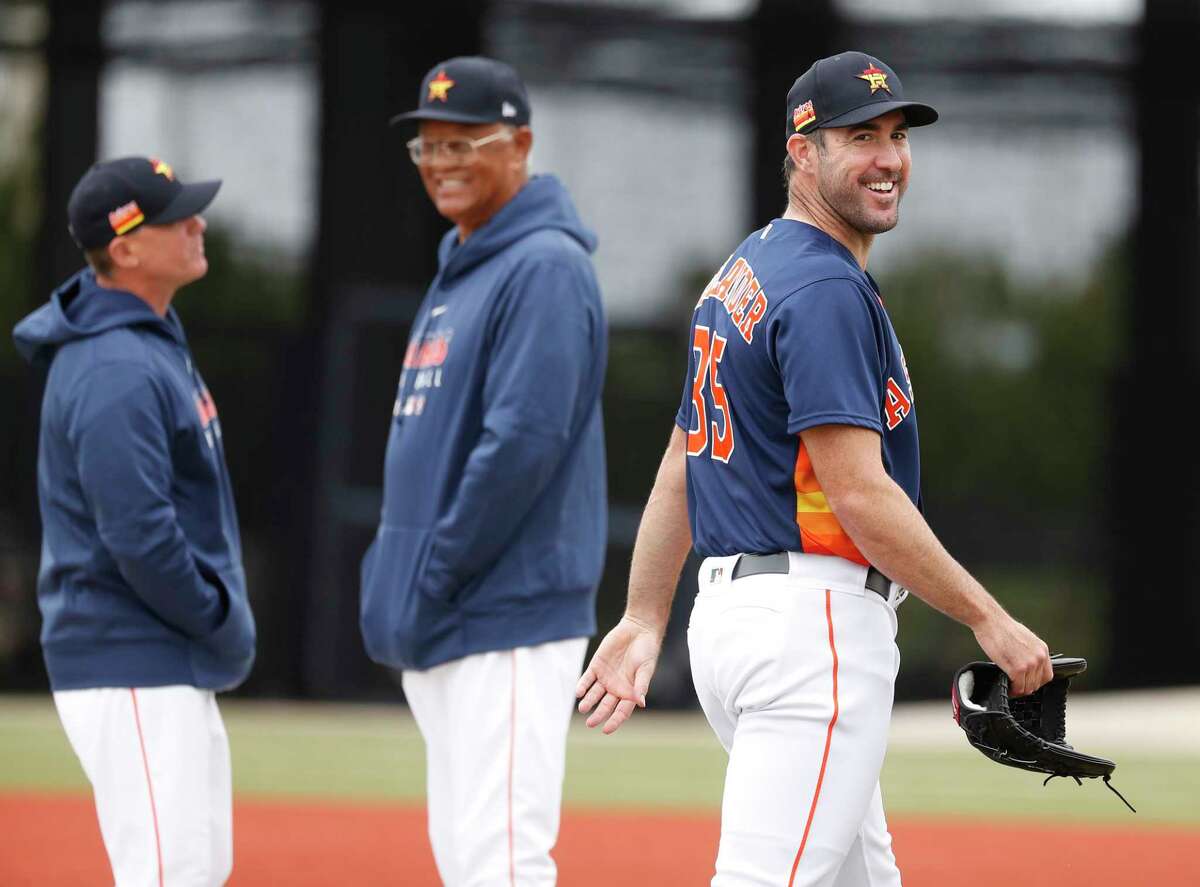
x=304, y=391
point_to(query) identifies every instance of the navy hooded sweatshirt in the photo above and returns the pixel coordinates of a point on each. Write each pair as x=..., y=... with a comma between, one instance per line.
x=494, y=518
x=141, y=580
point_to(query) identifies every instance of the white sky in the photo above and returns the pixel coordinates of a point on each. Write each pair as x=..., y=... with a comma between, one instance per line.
x=1082, y=11
x=1117, y=11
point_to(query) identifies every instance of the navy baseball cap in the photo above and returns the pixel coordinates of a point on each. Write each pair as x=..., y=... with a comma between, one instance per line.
x=471, y=89
x=849, y=88
x=116, y=196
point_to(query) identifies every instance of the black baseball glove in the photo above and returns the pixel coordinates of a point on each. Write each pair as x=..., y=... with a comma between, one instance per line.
x=1029, y=732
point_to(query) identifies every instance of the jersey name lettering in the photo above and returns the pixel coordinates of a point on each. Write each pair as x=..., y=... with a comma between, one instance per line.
x=742, y=295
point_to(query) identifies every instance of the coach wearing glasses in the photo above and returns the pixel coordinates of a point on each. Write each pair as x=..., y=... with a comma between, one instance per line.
x=480, y=584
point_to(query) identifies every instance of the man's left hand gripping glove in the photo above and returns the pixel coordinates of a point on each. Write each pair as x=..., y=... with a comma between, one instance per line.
x=1029, y=732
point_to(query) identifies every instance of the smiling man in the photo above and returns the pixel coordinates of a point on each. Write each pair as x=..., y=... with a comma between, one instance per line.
x=794, y=471
x=141, y=587
x=480, y=585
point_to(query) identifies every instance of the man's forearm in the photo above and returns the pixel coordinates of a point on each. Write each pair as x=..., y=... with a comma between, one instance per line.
x=892, y=534
x=663, y=542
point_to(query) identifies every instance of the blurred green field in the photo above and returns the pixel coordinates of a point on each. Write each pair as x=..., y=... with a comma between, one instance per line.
x=658, y=761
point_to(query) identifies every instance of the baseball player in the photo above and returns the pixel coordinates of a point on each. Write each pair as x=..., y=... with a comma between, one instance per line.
x=793, y=470
x=141, y=586
x=480, y=584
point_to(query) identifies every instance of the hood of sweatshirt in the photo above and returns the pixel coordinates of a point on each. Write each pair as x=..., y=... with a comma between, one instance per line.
x=79, y=308
x=543, y=203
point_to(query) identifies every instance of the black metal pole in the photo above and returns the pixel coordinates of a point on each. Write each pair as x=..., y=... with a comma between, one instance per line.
x=377, y=238
x=785, y=38
x=74, y=57
x=1154, y=475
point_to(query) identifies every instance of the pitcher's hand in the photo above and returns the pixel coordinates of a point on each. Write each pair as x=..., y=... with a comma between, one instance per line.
x=1024, y=656
x=619, y=674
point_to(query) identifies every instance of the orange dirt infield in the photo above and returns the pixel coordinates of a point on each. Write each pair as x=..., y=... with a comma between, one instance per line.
x=49, y=841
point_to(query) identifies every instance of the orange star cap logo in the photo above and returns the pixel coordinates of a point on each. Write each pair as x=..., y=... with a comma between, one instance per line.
x=162, y=168
x=876, y=78
x=439, y=86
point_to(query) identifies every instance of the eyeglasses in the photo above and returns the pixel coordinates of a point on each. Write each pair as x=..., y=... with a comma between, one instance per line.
x=455, y=150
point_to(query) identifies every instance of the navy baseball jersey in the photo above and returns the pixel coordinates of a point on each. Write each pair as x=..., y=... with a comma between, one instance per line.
x=789, y=334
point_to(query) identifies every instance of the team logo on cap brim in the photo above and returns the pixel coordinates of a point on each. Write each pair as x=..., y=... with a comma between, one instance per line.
x=803, y=115
x=439, y=86
x=126, y=218
x=876, y=78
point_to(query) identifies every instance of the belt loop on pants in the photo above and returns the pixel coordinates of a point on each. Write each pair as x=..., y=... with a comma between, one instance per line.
x=779, y=562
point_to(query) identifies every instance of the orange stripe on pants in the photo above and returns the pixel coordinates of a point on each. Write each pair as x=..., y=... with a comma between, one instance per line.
x=137, y=719
x=828, y=738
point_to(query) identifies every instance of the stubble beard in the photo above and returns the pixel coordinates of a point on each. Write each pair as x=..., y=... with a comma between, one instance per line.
x=845, y=199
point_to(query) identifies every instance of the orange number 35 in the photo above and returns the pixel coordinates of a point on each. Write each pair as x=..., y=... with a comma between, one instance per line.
x=710, y=348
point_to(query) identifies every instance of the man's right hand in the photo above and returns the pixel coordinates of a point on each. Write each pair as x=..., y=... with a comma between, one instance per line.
x=1024, y=656
x=619, y=674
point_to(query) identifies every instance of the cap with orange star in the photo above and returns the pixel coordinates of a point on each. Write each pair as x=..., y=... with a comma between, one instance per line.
x=115, y=197
x=846, y=89
x=471, y=89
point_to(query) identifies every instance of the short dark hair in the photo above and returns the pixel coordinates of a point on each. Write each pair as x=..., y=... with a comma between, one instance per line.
x=817, y=137
x=99, y=259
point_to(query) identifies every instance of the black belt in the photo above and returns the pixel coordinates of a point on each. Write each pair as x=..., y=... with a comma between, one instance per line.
x=753, y=564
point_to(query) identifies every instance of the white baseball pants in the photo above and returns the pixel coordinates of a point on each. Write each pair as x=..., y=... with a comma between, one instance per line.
x=795, y=673
x=158, y=761
x=495, y=731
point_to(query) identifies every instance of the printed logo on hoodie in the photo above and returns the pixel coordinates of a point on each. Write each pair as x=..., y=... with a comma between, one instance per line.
x=206, y=407
x=424, y=358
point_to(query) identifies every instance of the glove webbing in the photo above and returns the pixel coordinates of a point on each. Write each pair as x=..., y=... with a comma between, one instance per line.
x=1043, y=714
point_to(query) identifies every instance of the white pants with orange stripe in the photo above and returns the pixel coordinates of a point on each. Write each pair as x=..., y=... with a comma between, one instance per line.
x=795, y=674
x=495, y=731
x=158, y=761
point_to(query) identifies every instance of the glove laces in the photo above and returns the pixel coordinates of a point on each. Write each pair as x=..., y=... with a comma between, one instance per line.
x=1107, y=782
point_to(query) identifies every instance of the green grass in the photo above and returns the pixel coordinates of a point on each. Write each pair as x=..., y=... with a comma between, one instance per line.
x=1163, y=789
x=668, y=762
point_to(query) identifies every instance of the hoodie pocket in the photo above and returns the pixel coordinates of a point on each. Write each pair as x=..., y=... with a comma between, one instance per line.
x=400, y=624
x=223, y=658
